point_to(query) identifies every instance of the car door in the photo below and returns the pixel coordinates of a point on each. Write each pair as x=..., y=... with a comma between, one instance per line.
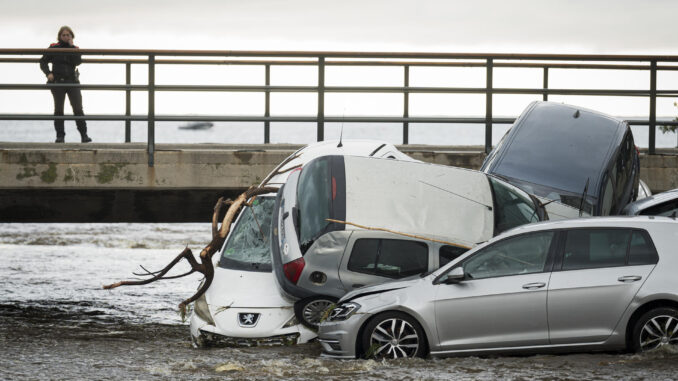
x=502, y=300
x=596, y=275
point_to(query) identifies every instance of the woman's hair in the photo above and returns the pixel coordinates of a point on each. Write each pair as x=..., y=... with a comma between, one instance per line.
x=65, y=28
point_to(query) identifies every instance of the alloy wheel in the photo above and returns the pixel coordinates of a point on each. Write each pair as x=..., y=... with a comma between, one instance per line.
x=659, y=331
x=394, y=338
x=314, y=310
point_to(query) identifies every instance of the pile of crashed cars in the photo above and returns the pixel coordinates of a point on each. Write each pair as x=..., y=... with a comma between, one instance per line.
x=375, y=254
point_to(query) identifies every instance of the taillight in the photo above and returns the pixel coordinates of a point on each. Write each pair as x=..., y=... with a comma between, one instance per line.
x=293, y=269
x=334, y=188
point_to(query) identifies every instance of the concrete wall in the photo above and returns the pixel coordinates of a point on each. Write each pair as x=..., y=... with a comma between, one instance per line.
x=208, y=166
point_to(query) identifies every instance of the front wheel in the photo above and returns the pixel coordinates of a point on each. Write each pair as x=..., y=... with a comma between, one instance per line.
x=656, y=328
x=394, y=335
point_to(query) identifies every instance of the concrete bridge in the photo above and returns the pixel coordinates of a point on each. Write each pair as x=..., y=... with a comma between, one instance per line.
x=114, y=183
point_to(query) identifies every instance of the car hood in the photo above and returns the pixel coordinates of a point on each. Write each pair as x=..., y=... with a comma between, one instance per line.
x=241, y=289
x=380, y=288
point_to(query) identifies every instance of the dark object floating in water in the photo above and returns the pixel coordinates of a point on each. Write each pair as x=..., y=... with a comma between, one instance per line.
x=197, y=126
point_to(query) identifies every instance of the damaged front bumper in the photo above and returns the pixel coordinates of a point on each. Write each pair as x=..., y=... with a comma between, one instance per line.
x=266, y=326
x=206, y=338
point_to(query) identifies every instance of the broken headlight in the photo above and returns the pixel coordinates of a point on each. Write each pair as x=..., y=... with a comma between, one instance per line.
x=202, y=310
x=291, y=323
x=343, y=311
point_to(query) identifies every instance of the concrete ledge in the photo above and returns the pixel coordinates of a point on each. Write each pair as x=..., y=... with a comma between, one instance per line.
x=211, y=166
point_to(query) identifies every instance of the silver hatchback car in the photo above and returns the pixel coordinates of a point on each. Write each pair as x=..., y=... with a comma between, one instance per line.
x=576, y=285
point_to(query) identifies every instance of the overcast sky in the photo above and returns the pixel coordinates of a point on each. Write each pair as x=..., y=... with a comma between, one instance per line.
x=546, y=26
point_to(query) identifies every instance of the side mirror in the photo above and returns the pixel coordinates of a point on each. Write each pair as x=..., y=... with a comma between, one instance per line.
x=455, y=276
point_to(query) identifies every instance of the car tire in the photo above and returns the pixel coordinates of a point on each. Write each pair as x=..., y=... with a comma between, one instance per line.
x=401, y=335
x=654, y=329
x=310, y=311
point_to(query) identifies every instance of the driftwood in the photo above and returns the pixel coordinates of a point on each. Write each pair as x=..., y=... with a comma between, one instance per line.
x=205, y=266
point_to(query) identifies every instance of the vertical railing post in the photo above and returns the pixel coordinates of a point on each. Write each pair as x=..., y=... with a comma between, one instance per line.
x=128, y=103
x=406, y=106
x=653, y=107
x=321, y=99
x=151, y=109
x=267, y=106
x=488, y=107
x=545, y=96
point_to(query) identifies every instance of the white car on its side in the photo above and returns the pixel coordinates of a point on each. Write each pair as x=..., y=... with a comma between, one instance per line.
x=244, y=305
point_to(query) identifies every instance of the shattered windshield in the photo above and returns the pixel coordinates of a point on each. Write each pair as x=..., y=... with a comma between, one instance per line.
x=248, y=246
x=513, y=207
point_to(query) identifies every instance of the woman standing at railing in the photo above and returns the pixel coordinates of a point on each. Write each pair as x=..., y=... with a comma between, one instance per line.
x=64, y=71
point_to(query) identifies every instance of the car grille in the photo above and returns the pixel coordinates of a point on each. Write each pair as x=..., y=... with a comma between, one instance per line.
x=215, y=339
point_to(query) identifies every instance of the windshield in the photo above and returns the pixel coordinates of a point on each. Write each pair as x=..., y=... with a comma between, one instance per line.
x=561, y=147
x=512, y=208
x=313, y=201
x=248, y=245
x=568, y=198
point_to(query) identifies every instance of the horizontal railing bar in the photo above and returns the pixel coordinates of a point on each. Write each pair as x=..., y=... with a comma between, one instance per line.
x=352, y=63
x=335, y=54
x=346, y=89
x=302, y=119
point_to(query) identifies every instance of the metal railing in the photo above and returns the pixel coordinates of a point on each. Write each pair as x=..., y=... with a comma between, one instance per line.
x=320, y=59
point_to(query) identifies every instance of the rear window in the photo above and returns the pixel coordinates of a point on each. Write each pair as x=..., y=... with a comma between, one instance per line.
x=391, y=258
x=588, y=249
x=669, y=208
x=641, y=250
x=597, y=248
x=248, y=246
x=314, y=192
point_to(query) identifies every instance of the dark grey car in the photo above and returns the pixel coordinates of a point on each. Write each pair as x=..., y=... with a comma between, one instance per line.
x=579, y=157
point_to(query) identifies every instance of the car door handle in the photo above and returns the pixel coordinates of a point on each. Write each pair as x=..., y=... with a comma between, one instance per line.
x=629, y=278
x=357, y=285
x=534, y=286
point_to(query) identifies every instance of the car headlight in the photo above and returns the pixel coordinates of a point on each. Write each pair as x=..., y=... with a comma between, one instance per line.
x=343, y=311
x=201, y=309
x=291, y=323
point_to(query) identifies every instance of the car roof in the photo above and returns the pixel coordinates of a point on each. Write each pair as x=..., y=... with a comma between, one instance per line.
x=559, y=146
x=415, y=197
x=650, y=201
x=639, y=222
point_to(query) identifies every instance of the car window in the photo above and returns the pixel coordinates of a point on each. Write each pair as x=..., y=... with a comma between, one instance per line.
x=665, y=209
x=641, y=250
x=524, y=254
x=608, y=197
x=248, y=245
x=313, y=195
x=595, y=248
x=448, y=253
x=513, y=207
x=389, y=257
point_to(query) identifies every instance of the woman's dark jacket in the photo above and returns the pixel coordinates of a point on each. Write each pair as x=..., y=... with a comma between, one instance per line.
x=63, y=65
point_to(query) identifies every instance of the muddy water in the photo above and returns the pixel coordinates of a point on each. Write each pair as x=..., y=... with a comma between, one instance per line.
x=57, y=323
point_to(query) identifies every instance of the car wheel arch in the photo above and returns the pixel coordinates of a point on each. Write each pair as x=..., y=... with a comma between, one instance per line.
x=360, y=351
x=643, y=309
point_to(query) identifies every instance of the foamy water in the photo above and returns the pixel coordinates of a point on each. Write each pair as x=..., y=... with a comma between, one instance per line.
x=56, y=322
